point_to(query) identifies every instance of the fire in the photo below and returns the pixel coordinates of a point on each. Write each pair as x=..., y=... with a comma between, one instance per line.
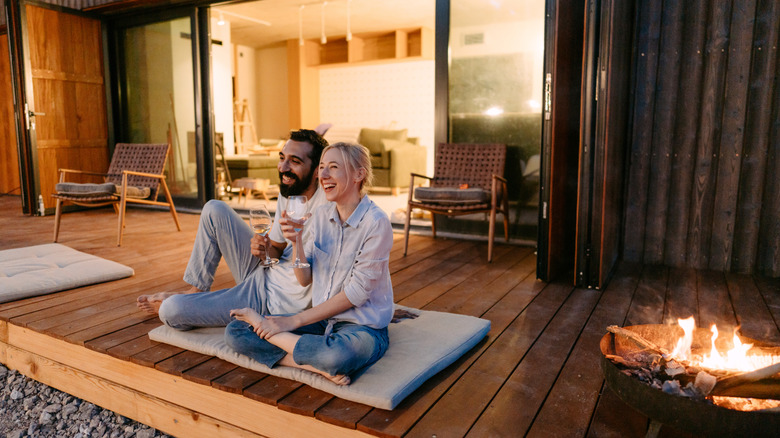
x=736, y=359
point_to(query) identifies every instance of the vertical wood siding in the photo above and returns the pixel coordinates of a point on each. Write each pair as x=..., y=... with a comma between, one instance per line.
x=703, y=164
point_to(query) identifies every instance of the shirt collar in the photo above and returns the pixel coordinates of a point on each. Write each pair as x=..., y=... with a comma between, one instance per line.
x=354, y=219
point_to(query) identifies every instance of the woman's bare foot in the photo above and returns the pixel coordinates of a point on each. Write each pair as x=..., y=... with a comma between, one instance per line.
x=338, y=379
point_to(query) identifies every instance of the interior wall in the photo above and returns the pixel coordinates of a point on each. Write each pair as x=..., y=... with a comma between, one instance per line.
x=222, y=82
x=246, y=82
x=394, y=95
x=9, y=158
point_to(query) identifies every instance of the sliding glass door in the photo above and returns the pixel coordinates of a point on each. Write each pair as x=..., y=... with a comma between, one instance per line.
x=158, y=77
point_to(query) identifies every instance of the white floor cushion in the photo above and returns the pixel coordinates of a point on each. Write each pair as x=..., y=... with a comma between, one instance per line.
x=42, y=269
x=419, y=348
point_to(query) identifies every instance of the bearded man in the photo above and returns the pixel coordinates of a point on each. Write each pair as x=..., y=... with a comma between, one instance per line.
x=223, y=233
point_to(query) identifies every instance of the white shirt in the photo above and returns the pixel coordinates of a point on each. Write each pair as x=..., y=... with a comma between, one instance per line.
x=284, y=293
x=354, y=257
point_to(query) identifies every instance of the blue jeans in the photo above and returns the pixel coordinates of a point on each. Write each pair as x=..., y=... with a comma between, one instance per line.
x=221, y=233
x=345, y=349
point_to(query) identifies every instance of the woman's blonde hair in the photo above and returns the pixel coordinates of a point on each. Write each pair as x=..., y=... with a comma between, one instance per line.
x=356, y=157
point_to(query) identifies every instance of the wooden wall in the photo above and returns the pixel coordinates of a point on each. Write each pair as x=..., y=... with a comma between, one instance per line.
x=704, y=171
x=9, y=156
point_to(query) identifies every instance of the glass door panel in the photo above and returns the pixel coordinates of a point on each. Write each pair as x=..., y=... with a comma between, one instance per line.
x=159, y=96
x=495, y=95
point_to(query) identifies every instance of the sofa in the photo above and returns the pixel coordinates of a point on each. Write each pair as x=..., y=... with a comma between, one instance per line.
x=254, y=166
x=394, y=155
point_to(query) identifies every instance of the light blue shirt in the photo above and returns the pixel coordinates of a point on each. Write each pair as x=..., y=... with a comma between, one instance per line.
x=354, y=257
x=284, y=293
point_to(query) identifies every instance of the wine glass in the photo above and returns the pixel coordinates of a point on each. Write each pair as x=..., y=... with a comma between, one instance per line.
x=261, y=221
x=296, y=209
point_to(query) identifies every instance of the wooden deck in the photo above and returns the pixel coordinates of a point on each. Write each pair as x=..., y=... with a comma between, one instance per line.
x=536, y=373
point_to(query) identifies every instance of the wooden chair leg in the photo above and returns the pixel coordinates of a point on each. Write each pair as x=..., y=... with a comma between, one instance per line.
x=491, y=234
x=433, y=225
x=407, y=226
x=122, y=208
x=57, y=217
x=170, y=204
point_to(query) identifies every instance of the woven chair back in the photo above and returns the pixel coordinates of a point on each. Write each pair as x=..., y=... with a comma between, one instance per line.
x=467, y=163
x=147, y=158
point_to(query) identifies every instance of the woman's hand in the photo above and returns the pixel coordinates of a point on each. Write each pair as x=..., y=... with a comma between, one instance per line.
x=289, y=225
x=273, y=325
x=249, y=316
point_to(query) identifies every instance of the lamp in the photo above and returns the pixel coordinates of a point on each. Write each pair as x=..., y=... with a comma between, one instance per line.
x=323, y=38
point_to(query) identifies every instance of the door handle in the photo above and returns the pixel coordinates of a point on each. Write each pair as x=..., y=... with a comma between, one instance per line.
x=28, y=117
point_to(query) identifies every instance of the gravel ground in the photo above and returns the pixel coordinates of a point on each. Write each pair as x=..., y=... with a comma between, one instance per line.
x=32, y=409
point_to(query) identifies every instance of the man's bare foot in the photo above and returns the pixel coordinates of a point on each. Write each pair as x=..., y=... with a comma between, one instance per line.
x=151, y=303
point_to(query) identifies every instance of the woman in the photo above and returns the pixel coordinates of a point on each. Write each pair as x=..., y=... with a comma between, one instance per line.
x=352, y=297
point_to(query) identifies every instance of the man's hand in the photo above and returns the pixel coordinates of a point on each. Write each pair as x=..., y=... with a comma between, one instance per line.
x=259, y=244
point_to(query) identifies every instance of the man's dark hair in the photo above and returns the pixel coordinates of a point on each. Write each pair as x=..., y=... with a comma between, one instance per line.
x=317, y=142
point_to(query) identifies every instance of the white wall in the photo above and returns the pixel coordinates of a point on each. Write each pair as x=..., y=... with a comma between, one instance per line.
x=394, y=95
x=246, y=82
x=222, y=83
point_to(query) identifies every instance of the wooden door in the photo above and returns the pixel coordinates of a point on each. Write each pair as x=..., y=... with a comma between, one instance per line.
x=560, y=137
x=9, y=157
x=64, y=92
x=604, y=127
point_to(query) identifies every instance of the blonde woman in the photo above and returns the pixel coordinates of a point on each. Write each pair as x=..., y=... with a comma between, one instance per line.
x=346, y=329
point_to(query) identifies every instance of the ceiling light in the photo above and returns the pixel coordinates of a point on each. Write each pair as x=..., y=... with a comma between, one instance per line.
x=300, y=25
x=243, y=17
x=349, y=26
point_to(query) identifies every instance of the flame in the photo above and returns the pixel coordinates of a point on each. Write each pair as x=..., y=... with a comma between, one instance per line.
x=737, y=358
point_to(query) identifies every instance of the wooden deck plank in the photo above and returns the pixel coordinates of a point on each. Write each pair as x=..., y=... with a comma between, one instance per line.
x=575, y=393
x=754, y=319
x=237, y=380
x=75, y=335
x=396, y=422
x=304, y=401
x=450, y=416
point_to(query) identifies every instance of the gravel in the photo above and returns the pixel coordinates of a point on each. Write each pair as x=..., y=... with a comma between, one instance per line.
x=32, y=409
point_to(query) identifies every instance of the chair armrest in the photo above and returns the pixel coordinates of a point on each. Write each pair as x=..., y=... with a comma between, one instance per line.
x=150, y=175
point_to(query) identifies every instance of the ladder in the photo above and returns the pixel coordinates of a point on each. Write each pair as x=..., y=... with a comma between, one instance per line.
x=242, y=119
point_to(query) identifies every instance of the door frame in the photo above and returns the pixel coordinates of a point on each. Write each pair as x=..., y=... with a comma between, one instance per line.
x=560, y=137
x=202, y=92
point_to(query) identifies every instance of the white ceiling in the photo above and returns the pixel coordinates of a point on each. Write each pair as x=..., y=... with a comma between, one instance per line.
x=365, y=16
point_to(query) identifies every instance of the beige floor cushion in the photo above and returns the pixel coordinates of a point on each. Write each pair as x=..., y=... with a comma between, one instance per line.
x=419, y=348
x=43, y=269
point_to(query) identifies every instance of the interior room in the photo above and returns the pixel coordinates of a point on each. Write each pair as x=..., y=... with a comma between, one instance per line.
x=350, y=65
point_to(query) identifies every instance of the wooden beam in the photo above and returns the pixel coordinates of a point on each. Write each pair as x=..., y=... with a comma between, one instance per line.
x=86, y=372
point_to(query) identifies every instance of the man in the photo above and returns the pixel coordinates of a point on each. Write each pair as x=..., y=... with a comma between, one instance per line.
x=223, y=233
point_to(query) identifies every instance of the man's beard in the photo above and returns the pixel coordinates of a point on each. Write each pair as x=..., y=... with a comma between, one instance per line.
x=297, y=187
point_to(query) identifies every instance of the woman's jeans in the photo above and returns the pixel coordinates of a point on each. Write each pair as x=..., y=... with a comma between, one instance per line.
x=340, y=348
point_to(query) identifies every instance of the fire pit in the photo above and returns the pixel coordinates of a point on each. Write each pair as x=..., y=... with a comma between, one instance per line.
x=696, y=413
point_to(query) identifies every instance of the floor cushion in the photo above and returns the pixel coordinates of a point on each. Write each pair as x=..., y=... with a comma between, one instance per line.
x=419, y=348
x=42, y=269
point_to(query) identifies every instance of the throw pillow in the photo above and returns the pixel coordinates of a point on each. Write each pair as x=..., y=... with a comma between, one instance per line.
x=451, y=195
x=372, y=138
x=84, y=189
